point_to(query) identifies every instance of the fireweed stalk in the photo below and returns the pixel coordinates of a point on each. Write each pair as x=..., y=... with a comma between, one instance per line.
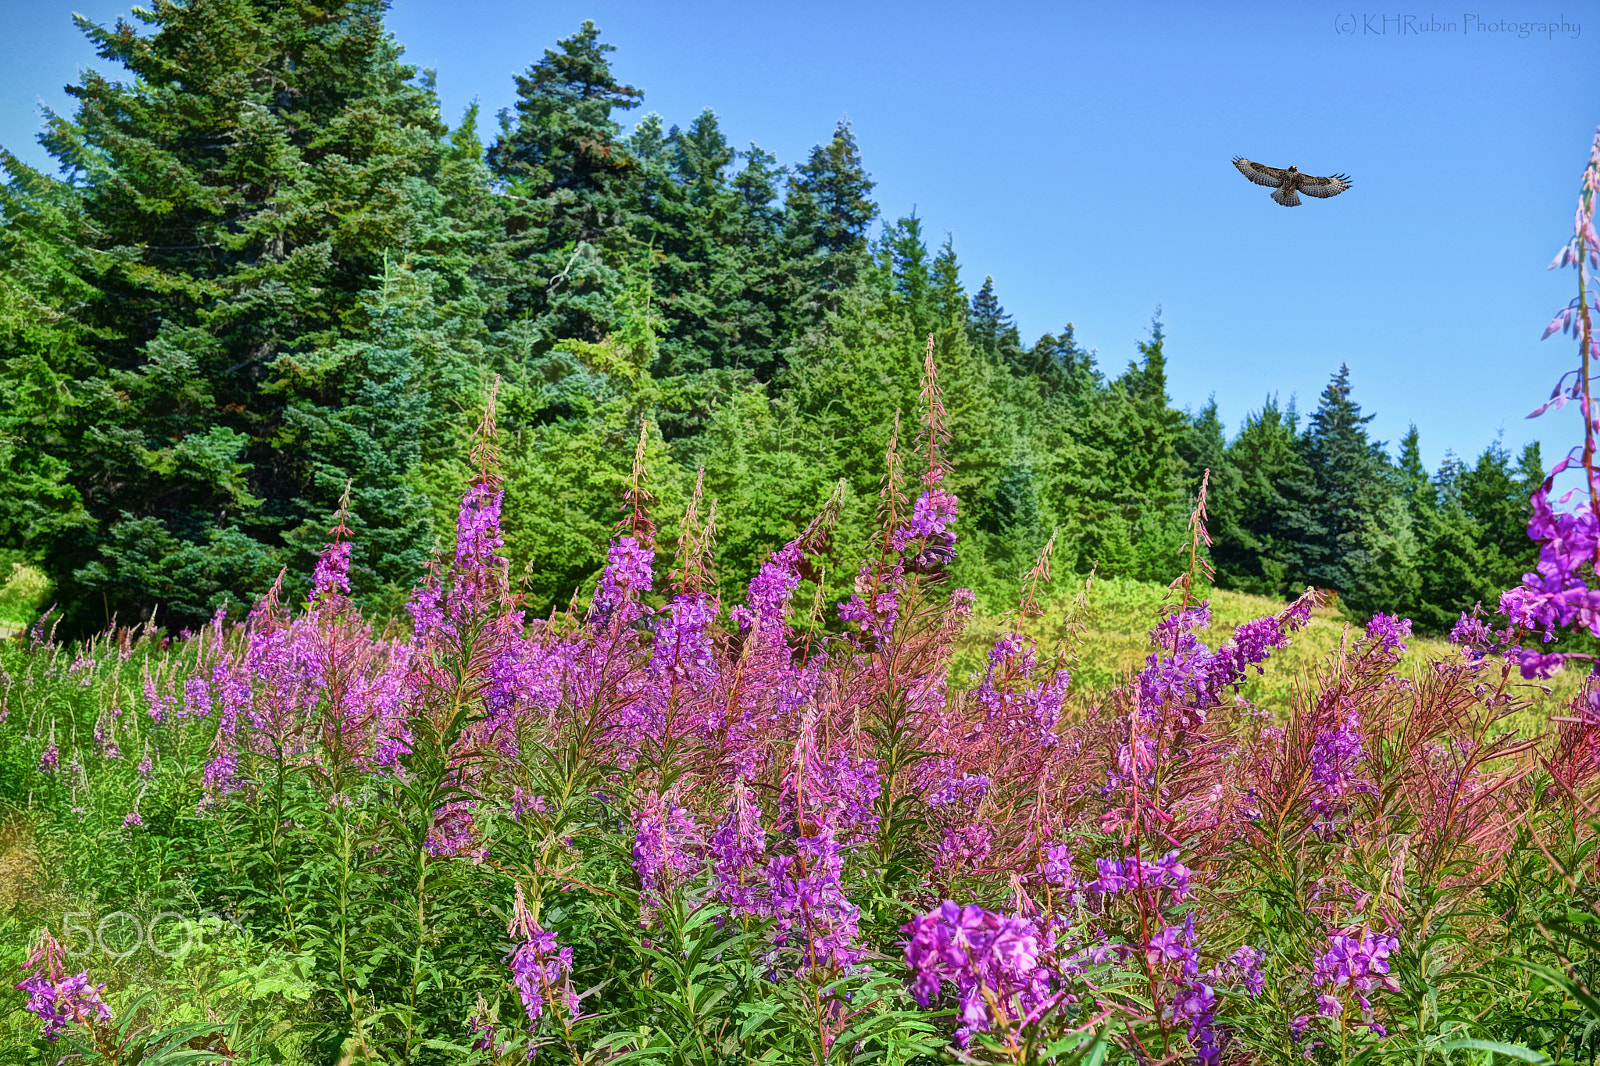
x=1557, y=594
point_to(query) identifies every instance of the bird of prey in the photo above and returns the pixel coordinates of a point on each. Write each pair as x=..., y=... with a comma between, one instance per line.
x=1286, y=182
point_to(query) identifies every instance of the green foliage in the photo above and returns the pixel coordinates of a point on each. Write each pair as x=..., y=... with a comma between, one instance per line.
x=274, y=273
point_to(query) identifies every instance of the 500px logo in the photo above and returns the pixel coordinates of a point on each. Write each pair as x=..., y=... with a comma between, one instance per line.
x=123, y=933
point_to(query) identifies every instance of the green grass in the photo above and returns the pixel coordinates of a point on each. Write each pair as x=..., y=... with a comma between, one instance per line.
x=22, y=597
x=1108, y=638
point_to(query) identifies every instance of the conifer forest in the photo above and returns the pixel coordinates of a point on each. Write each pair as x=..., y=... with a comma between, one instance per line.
x=564, y=587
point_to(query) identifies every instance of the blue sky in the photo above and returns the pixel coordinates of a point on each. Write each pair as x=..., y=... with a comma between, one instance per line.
x=1079, y=153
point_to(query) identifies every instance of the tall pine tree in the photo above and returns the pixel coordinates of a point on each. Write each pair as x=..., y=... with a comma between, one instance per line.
x=243, y=188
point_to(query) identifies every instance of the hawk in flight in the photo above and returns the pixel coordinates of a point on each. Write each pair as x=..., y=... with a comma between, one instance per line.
x=1286, y=183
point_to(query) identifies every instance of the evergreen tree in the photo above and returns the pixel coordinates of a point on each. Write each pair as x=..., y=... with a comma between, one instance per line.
x=1453, y=569
x=238, y=193
x=1118, y=481
x=44, y=349
x=827, y=212
x=1494, y=495
x=708, y=253
x=1347, y=471
x=572, y=186
x=905, y=257
x=992, y=332
x=1412, y=477
x=1275, y=514
x=1203, y=448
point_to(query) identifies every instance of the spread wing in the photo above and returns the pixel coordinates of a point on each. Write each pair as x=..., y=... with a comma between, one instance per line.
x=1325, y=187
x=1259, y=174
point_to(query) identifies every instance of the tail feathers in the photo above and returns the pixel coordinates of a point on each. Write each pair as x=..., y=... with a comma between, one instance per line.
x=1286, y=197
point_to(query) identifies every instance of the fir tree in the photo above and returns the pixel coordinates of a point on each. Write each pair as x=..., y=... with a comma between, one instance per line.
x=1276, y=512
x=242, y=188
x=993, y=333
x=827, y=212
x=1347, y=471
x=906, y=258
x=948, y=297
x=572, y=186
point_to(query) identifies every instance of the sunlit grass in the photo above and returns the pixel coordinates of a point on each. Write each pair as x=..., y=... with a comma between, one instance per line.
x=1108, y=638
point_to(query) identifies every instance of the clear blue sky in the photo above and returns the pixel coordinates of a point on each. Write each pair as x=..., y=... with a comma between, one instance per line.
x=1080, y=153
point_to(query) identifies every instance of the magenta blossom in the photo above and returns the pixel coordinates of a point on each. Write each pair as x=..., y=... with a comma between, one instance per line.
x=58, y=1000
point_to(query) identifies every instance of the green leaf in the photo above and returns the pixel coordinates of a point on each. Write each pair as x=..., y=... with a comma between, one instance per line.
x=1495, y=1047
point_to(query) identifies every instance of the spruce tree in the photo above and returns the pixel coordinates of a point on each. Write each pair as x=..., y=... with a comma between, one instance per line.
x=1202, y=445
x=827, y=212
x=993, y=333
x=948, y=297
x=1118, y=479
x=906, y=258
x=1346, y=471
x=1455, y=573
x=41, y=275
x=572, y=186
x=1276, y=513
x=243, y=187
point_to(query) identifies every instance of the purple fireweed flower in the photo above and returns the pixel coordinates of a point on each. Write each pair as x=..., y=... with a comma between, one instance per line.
x=1254, y=642
x=807, y=901
x=525, y=676
x=1329, y=1006
x=1183, y=679
x=331, y=578
x=1133, y=874
x=666, y=848
x=196, y=697
x=874, y=606
x=455, y=832
x=683, y=650
x=1337, y=759
x=1474, y=636
x=932, y=515
x=626, y=577
x=967, y=791
x=1168, y=945
x=105, y=735
x=737, y=846
x=841, y=792
x=481, y=1028
x=1555, y=595
x=1056, y=865
x=523, y=802
x=1195, y=1005
x=132, y=819
x=426, y=607
x=962, y=848
x=974, y=949
x=1387, y=635
x=50, y=758
x=58, y=1000
x=540, y=968
x=162, y=702
x=766, y=605
x=1020, y=708
x=221, y=776
x=1245, y=964
x=1358, y=961
x=478, y=539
